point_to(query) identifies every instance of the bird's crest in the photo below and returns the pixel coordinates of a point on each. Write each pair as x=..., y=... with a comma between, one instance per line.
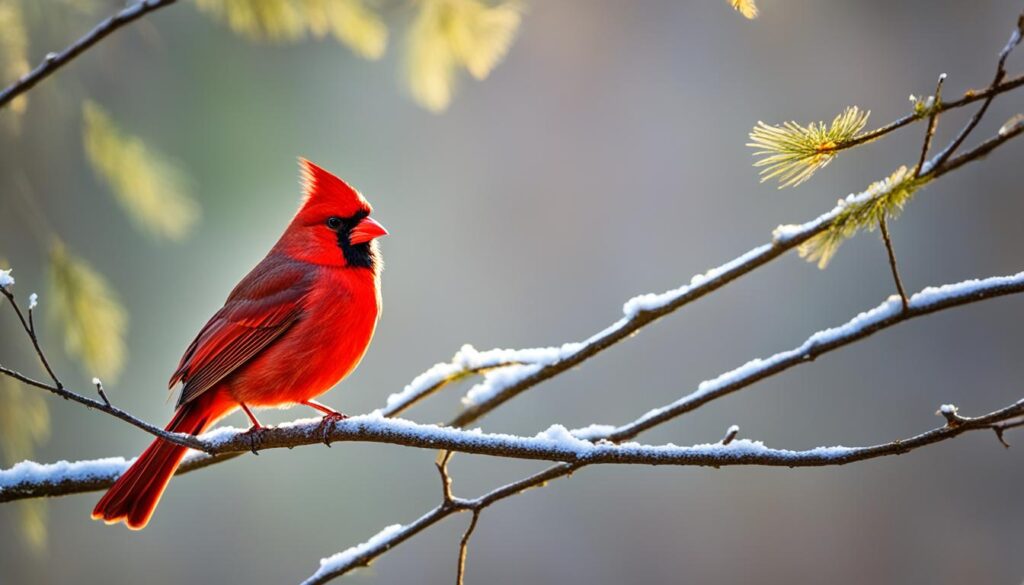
x=325, y=194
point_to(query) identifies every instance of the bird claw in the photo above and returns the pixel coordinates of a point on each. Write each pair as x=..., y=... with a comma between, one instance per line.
x=255, y=436
x=328, y=420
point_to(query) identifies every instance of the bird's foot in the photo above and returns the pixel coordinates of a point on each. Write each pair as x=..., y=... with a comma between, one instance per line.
x=327, y=422
x=255, y=437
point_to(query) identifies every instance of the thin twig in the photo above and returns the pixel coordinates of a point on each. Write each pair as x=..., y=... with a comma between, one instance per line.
x=1003, y=427
x=1015, y=38
x=464, y=548
x=933, y=119
x=30, y=330
x=730, y=434
x=976, y=153
x=58, y=388
x=55, y=61
x=99, y=390
x=884, y=227
x=446, y=480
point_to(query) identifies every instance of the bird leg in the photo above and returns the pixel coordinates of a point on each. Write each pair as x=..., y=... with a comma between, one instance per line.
x=331, y=416
x=255, y=432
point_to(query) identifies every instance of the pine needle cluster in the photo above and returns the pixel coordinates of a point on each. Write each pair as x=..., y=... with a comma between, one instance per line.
x=793, y=153
x=884, y=199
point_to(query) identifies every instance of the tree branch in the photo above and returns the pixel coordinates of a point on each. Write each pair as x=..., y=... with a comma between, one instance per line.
x=933, y=119
x=58, y=388
x=738, y=452
x=1011, y=44
x=883, y=226
x=586, y=446
x=55, y=61
x=645, y=309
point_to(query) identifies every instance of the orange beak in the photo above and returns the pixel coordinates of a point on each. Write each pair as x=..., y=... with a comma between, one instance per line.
x=366, y=230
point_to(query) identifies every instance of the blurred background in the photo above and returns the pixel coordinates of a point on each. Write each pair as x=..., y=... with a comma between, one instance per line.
x=603, y=157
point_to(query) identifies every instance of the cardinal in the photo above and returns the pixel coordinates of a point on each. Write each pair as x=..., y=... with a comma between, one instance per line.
x=295, y=326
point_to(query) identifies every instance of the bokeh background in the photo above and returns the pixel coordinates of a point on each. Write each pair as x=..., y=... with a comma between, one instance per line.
x=603, y=158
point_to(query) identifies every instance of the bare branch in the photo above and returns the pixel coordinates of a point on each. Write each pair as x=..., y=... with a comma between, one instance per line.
x=464, y=547
x=1003, y=427
x=883, y=226
x=1011, y=44
x=730, y=434
x=55, y=61
x=58, y=388
x=29, y=326
x=933, y=119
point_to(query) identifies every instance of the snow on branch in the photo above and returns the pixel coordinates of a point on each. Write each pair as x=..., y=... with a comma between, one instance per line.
x=885, y=315
x=593, y=445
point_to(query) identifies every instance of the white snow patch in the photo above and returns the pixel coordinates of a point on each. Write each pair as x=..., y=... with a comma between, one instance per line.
x=32, y=473
x=496, y=381
x=33, y=301
x=343, y=559
x=6, y=279
x=892, y=306
x=507, y=364
x=593, y=432
x=658, y=301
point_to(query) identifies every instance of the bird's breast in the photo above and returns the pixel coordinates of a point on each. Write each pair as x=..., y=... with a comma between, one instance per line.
x=327, y=342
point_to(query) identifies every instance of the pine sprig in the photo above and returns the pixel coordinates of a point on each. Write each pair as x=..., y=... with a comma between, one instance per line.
x=793, y=153
x=883, y=199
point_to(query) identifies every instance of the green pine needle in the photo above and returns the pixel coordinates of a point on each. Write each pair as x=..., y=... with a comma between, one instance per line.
x=883, y=199
x=792, y=153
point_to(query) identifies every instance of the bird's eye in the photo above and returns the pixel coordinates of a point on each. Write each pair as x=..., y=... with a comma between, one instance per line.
x=334, y=222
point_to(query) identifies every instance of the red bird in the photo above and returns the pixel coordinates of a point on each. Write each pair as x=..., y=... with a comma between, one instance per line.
x=296, y=325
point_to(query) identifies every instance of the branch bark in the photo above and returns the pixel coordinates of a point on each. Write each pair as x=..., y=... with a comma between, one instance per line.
x=54, y=61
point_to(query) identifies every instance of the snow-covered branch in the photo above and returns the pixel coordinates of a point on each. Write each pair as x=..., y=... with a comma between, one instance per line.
x=609, y=440
x=594, y=445
x=736, y=452
x=503, y=384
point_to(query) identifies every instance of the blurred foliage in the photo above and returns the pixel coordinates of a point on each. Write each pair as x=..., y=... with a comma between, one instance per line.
x=793, y=153
x=883, y=199
x=13, y=48
x=351, y=22
x=24, y=424
x=444, y=35
x=150, y=189
x=84, y=304
x=447, y=34
x=745, y=7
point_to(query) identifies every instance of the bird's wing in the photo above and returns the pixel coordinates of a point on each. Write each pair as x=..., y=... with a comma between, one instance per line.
x=262, y=307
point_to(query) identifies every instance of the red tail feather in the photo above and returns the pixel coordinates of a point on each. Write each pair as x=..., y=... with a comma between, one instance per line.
x=134, y=496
